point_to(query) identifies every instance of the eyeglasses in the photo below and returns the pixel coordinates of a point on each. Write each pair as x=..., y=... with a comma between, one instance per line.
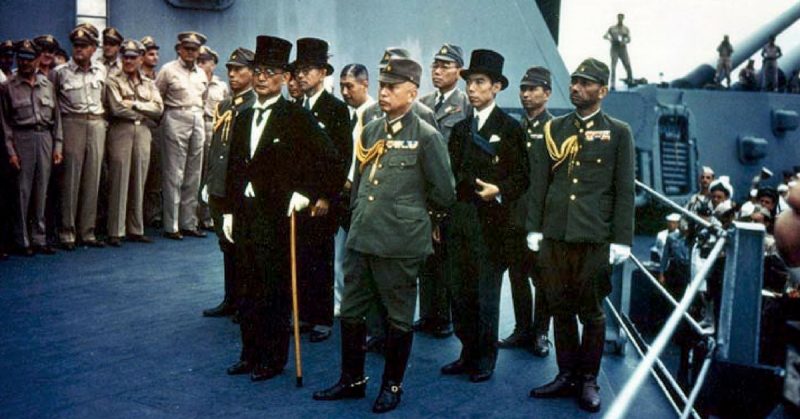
x=267, y=70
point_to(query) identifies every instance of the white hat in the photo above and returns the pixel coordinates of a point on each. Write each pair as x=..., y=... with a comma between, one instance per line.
x=783, y=188
x=674, y=217
x=708, y=170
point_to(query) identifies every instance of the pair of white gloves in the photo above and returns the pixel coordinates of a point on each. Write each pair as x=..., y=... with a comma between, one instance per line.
x=296, y=204
x=617, y=253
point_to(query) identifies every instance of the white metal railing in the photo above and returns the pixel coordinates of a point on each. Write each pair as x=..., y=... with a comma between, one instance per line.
x=651, y=354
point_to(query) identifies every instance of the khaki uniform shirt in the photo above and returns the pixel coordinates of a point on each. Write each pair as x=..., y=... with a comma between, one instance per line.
x=217, y=92
x=80, y=91
x=181, y=86
x=26, y=106
x=113, y=67
x=143, y=93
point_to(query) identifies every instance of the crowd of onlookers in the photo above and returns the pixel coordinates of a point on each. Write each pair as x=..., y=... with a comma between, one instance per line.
x=682, y=247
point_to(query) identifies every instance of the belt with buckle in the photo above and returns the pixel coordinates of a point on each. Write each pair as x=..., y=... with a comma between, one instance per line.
x=37, y=128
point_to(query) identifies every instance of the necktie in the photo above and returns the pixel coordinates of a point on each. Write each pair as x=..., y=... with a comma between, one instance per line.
x=476, y=123
x=260, y=115
x=439, y=103
x=307, y=104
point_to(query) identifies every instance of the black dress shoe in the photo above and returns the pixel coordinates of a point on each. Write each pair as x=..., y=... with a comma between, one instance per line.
x=318, y=335
x=239, y=368
x=515, y=340
x=264, y=372
x=344, y=389
x=194, y=233
x=456, y=367
x=222, y=310
x=172, y=236
x=388, y=398
x=139, y=238
x=481, y=376
x=94, y=243
x=115, y=241
x=541, y=346
x=45, y=250
x=68, y=246
x=590, y=394
x=564, y=385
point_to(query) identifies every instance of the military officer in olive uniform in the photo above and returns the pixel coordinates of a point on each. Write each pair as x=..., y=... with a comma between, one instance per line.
x=403, y=172
x=487, y=152
x=535, y=88
x=450, y=105
x=374, y=111
x=152, y=186
x=182, y=85
x=32, y=129
x=240, y=78
x=132, y=100
x=80, y=85
x=216, y=92
x=112, y=42
x=581, y=223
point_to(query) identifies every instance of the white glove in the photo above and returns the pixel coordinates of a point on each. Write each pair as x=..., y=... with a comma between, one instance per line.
x=227, y=226
x=204, y=194
x=534, y=240
x=618, y=253
x=248, y=191
x=297, y=203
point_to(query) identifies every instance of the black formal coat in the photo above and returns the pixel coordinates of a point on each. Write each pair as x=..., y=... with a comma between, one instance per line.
x=332, y=116
x=508, y=169
x=290, y=156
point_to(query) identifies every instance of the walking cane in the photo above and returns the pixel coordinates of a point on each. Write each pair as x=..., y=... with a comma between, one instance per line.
x=298, y=361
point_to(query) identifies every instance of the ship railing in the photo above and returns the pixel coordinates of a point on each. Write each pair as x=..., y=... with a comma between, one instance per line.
x=743, y=249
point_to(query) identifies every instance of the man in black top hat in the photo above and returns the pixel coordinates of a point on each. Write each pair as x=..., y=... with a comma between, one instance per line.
x=487, y=154
x=276, y=158
x=534, y=92
x=582, y=218
x=315, y=235
x=240, y=80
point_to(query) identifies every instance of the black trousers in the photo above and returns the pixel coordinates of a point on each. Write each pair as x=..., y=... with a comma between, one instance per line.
x=474, y=270
x=530, y=316
x=227, y=248
x=315, y=248
x=576, y=277
x=264, y=300
x=434, y=295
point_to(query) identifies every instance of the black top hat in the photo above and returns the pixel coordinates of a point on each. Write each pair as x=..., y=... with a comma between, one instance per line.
x=272, y=51
x=484, y=61
x=313, y=51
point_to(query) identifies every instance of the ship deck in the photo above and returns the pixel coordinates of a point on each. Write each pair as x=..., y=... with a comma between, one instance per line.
x=118, y=333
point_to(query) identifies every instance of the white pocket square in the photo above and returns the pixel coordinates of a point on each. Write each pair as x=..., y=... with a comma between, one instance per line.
x=276, y=141
x=494, y=139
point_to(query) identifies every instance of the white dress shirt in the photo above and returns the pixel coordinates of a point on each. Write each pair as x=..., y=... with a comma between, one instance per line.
x=312, y=100
x=483, y=115
x=357, y=133
x=256, y=130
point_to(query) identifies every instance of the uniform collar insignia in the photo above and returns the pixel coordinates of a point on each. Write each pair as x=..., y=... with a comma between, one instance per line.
x=238, y=100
